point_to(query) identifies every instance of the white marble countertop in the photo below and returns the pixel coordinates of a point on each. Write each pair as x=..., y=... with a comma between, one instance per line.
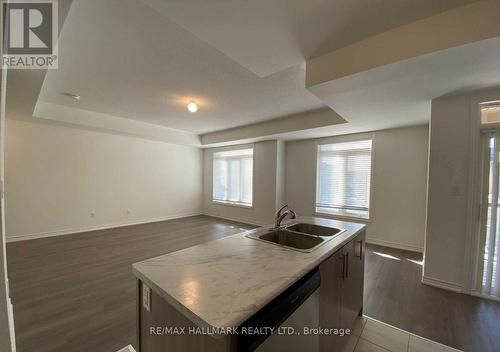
x=221, y=283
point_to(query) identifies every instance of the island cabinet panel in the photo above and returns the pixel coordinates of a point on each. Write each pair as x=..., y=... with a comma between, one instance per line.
x=153, y=335
x=341, y=292
x=352, y=298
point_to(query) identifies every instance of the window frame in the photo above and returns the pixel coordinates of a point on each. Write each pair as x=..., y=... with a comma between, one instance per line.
x=488, y=125
x=232, y=203
x=342, y=139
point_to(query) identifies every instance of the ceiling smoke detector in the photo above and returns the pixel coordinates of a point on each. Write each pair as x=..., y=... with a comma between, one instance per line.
x=75, y=97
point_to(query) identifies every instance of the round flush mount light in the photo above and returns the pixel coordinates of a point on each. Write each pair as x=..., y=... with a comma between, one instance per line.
x=192, y=107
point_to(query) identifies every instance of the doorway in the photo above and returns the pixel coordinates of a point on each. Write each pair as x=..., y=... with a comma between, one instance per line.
x=488, y=266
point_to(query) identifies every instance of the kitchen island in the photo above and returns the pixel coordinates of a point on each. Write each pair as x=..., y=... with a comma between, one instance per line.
x=197, y=298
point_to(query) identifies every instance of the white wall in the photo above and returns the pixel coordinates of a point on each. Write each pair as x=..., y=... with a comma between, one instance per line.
x=399, y=185
x=451, y=232
x=265, y=192
x=56, y=176
x=448, y=170
x=280, y=174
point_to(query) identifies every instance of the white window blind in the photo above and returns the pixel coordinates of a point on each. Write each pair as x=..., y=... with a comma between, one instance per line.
x=489, y=271
x=233, y=175
x=344, y=176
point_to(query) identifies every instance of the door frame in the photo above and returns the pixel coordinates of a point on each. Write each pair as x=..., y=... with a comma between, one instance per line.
x=473, y=223
x=7, y=333
x=6, y=314
x=486, y=134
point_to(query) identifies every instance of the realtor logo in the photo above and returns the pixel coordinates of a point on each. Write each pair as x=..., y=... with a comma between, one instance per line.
x=30, y=34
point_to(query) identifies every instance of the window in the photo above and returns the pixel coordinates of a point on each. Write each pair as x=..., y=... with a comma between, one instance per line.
x=344, y=176
x=490, y=114
x=233, y=175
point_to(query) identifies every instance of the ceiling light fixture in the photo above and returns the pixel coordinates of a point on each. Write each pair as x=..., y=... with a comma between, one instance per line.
x=192, y=107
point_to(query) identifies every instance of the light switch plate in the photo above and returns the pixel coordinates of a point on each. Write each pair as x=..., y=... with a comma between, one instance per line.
x=146, y=297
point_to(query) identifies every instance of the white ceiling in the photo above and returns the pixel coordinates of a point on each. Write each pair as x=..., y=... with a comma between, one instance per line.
x=267, y=36
x=125, y=59
x=145, y=62
x=400, y=94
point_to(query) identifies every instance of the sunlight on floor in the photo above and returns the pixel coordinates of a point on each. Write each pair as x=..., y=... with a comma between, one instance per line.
x=386, y=255
x=418, y=262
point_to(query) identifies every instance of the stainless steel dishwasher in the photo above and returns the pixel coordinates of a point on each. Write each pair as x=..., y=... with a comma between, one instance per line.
x=287, y=314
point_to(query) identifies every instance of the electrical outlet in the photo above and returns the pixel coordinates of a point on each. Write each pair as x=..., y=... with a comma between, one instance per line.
x=146, y=297
x=92, y=214
x=128, y=212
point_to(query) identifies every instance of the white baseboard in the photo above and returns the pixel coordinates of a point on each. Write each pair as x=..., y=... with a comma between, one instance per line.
x=445, y=285
x=394, y=245
x=16, y=238
x=481, y=295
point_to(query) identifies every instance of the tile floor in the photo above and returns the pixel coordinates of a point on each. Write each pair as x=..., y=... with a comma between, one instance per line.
x=370, y=335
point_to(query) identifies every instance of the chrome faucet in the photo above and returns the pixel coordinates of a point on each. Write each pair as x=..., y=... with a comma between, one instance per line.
x=281, y=214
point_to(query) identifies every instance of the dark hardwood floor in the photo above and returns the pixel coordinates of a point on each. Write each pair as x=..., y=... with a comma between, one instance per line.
x=395, y=295
x=77, y=292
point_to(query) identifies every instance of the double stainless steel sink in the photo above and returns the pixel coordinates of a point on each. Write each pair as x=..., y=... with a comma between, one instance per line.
x=301, y=237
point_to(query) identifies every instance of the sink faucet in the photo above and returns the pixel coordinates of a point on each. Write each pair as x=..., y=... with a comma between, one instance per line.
x=281, y=214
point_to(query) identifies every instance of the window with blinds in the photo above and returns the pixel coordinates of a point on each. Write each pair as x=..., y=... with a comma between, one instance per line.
x=232, y=177
x=343, y=178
